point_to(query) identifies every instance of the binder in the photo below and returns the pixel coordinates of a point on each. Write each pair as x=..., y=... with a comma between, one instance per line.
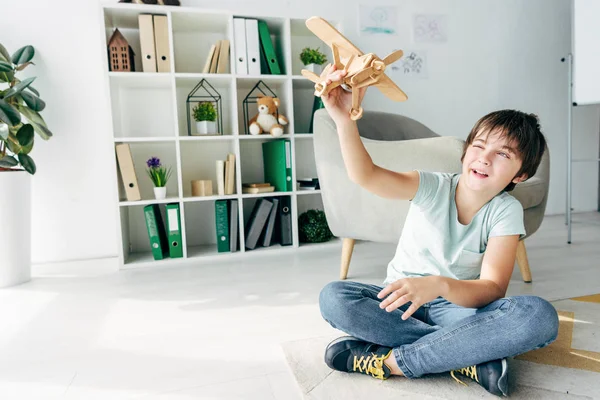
x=256, y=222
x=156, y=231
x=233, y=225
x=209, y=58
x=239, y=41
x=215, y=60
x=277, y=164
x=267, y=48
x=130, y=182
x=223, y=62
x=161, y=43
x=147, y=42
x=268, y=236
x=222, y=226
x=252, y=47
x=220, y=165
x=230, y=172
x=174, y=230
x=285, y=221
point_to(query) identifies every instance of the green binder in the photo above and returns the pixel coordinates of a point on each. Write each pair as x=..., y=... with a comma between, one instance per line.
x=156, y=231
x=266, y=46
x=277, y=164
x=174, y=230
x=222, y=226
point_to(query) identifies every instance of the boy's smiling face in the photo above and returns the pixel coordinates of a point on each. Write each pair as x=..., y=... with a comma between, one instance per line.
x=491, y=162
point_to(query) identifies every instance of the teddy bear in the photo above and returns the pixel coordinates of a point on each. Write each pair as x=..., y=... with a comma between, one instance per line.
x=267, y=119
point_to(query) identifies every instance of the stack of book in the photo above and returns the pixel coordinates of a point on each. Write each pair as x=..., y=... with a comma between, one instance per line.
x=254, y=188
x=217, y=59
x=270, y=222
x=254, y=50
x=308, y=184
x=226, y=175
x=164, y=242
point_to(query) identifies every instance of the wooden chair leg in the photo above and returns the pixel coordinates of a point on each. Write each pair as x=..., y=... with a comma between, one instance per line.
x=523, y=262
x=347, y=248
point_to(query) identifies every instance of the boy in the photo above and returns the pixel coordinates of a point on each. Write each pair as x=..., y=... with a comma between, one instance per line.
x=443, y=308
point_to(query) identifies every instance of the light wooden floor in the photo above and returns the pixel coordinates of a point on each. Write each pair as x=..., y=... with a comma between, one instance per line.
x=212, y=331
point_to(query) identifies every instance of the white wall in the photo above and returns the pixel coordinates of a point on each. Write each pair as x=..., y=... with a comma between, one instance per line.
x=500, y=54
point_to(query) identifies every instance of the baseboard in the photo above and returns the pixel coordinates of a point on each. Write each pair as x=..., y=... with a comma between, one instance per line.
x=77, y=268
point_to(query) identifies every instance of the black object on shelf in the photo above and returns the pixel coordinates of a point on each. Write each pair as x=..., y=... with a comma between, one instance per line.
x=252, y=98
x=211, y=95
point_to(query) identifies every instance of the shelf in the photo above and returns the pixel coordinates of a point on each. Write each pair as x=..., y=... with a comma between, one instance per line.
x=150, y=113
x=144, y=139
x=268, y=194
x=149, y=201
x=192, y=199
x=264, y=136
x=307, y=191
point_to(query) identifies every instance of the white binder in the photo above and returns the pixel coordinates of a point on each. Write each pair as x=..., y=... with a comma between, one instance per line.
x=252, y=46
x=239, y=37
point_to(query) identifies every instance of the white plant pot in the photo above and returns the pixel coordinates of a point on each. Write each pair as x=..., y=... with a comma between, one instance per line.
x=160, y=193
x=15, y=234
x=206, y=127
x=316, y=68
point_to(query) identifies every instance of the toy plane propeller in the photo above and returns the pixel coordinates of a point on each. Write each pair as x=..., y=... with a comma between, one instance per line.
x=361, y=69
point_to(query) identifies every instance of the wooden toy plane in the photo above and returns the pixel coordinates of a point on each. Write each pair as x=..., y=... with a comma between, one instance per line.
x=361, y=69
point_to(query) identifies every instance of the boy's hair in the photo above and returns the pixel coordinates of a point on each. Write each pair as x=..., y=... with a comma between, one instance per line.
x=520, y=129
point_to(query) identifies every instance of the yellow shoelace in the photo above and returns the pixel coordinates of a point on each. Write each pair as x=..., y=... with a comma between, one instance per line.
x=471, y=372
x=371, y=365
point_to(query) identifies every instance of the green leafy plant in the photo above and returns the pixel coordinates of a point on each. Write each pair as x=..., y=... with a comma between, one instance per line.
x=312, y=56
x=313, y=228
x=205, y=111
x=157, y=172
x=20, y=107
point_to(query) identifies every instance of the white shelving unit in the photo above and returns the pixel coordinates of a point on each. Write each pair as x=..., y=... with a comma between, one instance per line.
x=149, y=113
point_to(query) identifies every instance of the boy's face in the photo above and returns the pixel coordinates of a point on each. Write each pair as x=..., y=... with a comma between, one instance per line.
x=491, y=163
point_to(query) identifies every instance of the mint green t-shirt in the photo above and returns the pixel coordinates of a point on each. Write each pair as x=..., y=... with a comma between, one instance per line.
x=433, y=242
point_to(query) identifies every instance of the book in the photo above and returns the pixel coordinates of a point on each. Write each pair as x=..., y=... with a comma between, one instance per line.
x=267, y=237
x=156, y=231
x=254, y=185
x=222, y=226
x=262, y=189
x=174, y=230
x=277, y=164
x=207, y=63
x=230, y=174
x=256, y=222
x=233, y=225
x=223, y=61
x=220, y=165
x=266, y=45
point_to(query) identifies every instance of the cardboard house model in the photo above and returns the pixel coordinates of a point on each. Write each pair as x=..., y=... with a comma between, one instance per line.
x=120, y=54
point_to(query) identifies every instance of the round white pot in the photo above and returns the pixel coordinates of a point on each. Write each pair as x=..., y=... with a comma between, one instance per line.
x=15, y=235
x=160, y=193
x=316, y=68
x=206, y=127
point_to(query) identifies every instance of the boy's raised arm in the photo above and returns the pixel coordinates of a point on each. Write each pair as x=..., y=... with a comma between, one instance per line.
x=362, y=170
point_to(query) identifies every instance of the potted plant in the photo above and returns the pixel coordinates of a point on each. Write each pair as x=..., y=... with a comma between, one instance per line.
x=20, y=106
x=313, y=59
x=205, y=116
x=159, y=175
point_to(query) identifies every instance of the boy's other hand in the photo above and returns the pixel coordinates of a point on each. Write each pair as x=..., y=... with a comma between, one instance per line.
x=338, y=101
x=416, y=290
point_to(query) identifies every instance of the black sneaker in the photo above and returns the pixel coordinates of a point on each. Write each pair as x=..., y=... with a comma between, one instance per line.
x=492, y=375
x=349, y=354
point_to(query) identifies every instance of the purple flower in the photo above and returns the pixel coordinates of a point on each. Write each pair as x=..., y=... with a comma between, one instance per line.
x=154, y=162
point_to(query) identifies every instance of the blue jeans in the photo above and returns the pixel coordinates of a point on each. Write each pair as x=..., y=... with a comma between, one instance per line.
x=440, y=336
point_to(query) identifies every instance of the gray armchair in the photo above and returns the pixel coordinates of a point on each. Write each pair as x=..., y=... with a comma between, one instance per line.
x=399, y=143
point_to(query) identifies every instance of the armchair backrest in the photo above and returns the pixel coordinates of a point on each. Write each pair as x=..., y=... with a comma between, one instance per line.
x=394, y=142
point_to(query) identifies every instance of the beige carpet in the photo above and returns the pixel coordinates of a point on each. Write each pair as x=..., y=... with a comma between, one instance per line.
x=567, y=369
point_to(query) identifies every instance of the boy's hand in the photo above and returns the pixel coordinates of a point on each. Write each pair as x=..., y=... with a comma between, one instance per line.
x=416, y=290
x=338, y=101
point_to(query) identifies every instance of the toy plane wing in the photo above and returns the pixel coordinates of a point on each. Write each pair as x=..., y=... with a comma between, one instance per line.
x=331, y=36
x=390, y=89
